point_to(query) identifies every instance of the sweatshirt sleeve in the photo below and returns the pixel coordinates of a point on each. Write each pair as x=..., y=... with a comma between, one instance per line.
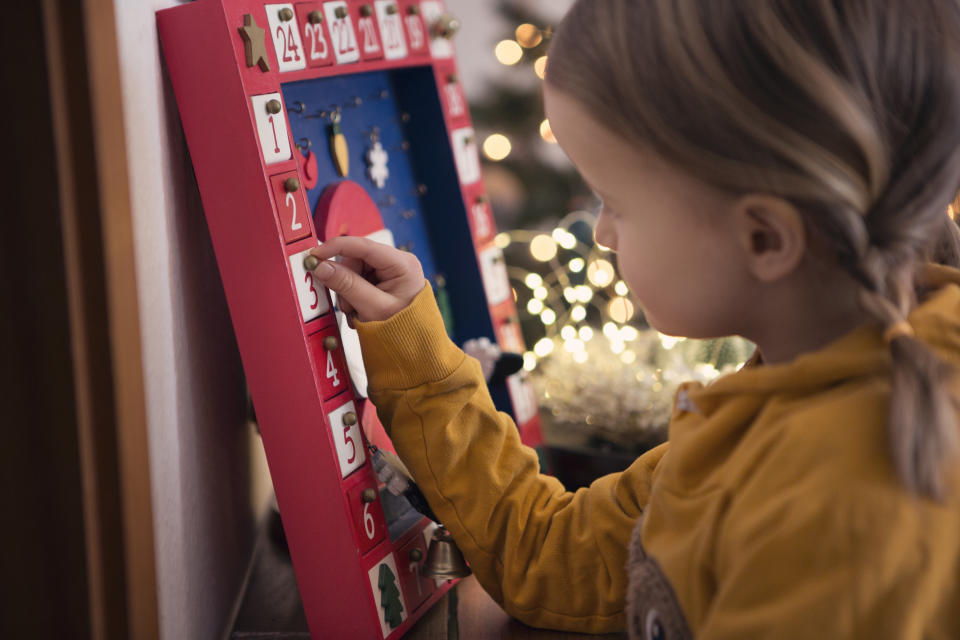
x=551, y=558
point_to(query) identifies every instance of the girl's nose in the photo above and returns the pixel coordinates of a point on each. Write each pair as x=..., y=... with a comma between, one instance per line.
x=604, y=233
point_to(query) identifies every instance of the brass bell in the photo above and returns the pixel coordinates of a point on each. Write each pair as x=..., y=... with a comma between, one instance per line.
x=444, y=558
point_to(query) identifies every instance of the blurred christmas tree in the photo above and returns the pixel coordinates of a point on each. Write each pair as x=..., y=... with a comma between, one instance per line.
x=530, y=182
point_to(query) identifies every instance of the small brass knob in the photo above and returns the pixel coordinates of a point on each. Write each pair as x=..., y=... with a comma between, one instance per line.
x=330, y=343
x=452, y=78
x=366, y=11
x=340, y=12
x=413, y=10
x=368, y=495
x=311, y=262
x=286, y=14
x=391, y=9
x=445, y=26
x=416, y=555
x=481, y=200
x=273, y=106
x=349, y=418
x=314, y=17
x=291, y=184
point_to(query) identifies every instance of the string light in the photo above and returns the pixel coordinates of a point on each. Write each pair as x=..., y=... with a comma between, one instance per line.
x=546, y=132
x=621, y=288
x=529, y=361
x=502, y=240
x=528, y=36
x=508, y=52
x=578, y=313
x=544, y=347
x=497, y=146
x=620, y=309
x=576, y=265
x=548, y=317
x=543, y=248
x=540, y=66
x=534, y=306
x=600, y=272
x=533, y=280
x=585, y=333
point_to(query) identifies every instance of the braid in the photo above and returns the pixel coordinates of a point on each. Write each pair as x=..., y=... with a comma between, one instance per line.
x=922, y=430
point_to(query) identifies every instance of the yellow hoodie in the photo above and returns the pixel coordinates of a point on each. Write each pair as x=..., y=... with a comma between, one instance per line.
x=773, y=511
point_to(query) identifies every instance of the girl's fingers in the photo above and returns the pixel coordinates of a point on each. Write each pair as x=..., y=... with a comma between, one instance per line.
x=374, y=254
x=369, y=302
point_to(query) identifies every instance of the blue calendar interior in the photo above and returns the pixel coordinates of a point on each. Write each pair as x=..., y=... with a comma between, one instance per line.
x=366, y=101
x=404, y=106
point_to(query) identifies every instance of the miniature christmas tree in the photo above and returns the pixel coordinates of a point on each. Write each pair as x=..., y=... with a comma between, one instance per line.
x=390, y=597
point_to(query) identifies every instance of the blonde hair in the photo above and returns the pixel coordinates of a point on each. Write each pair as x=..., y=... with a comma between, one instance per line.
x=848, y=109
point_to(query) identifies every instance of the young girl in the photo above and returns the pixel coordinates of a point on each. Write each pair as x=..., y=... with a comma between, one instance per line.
x=776, y=169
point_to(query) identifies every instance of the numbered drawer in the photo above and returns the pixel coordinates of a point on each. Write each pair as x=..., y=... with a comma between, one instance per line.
x=367, y=28
x=314, y=34
x=312, y=296
x=282, y=24
x=440, y=28
x=292, y=213
x=452, y=95
x=466, y=155
x=390, y=21
x=344, y=424
x=343, y=37
x=481, y=217
x=271, y=119
x=330, y=365
x=493, y=271
x=367, y=513
x=388, y=599
x=410, y=559
x=418, y=38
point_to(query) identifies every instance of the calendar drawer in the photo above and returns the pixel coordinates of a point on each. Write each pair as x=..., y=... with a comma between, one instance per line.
x=329, y=364
x=367, y=513
x=410, y=560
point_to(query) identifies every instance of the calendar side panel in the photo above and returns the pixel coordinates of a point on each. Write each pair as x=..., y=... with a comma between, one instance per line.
x=237, y=200
x=451, y=192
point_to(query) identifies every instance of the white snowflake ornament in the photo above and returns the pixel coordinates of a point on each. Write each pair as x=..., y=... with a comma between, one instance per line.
x=377, y=164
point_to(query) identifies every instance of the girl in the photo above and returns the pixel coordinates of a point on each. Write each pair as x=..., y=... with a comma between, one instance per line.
x=776, y=169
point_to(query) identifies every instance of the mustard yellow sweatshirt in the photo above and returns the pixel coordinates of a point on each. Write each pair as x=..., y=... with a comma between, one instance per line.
x=772, y=512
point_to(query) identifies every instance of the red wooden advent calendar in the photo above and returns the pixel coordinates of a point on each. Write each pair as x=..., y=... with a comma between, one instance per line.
x=311, y=119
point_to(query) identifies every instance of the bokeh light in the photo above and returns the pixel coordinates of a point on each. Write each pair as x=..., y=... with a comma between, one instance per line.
x=508, y=52
x=543, y=248
x=497, y=146
x=528, y=35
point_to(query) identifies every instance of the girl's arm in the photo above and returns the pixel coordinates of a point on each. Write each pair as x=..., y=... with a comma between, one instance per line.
x=550, y=557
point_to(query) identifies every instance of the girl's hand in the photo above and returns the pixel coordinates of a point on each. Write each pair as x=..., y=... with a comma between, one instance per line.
x=372, y=280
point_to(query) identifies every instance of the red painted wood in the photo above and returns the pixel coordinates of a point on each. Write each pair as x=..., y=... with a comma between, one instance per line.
x=251, y=225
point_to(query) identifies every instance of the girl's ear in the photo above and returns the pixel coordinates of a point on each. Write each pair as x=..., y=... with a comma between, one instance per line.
x=771, y=235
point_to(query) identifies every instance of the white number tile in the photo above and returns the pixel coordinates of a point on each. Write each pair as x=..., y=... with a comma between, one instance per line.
x=439, y=47
x=524, y=398
x=271, y=129
x=493, y=270
x=286, y=38
x=465, y=155
x=311, y=294
x=391, y=30
x=374, y=574
x=347, y=439
x=342, y=36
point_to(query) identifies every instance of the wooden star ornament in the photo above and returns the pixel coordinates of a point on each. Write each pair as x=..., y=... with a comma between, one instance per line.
x=253, y=43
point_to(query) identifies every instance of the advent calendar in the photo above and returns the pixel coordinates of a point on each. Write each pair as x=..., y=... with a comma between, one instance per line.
x=310, y=120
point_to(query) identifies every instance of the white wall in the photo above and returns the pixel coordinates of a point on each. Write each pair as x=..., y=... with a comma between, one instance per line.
x=207, y=472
